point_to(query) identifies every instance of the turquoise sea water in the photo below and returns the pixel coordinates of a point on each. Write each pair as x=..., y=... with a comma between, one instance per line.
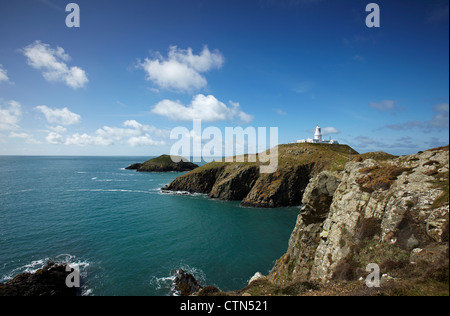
x=125, y=235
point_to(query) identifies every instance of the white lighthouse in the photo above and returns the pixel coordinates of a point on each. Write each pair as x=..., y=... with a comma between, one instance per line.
x=318, y=138
x=318, y=135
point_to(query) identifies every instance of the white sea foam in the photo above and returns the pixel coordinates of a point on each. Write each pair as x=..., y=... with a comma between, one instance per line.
x=111, y=190
x=162, y=191
x=167, y=283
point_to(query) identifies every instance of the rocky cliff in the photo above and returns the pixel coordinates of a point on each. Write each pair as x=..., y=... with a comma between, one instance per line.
x=242, y=181
x=379, y=209
x=393, y=212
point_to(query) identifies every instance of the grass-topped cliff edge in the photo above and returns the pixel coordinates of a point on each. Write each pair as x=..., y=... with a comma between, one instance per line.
x=242, y=181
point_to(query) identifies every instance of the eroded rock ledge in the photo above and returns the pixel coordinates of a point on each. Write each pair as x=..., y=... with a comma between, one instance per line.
x=48, y=281
x=242, y=181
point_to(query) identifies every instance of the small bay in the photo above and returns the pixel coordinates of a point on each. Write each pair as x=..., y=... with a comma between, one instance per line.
x=123, y=232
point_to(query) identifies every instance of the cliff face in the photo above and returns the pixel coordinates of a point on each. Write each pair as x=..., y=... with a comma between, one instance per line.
x=392, y=212
x=244, y=182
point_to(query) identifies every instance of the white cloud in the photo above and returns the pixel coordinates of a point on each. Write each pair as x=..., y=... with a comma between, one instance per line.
x=28, y=138
x=182, y=69
x=3, y=74
x=58, y=129
x=10, y=114
x=144, y=140
x=54, y=138
x=330, y=130
x=205, y=108
x=59, y=116
x=52, y=63
x=132, y=133
x=85, y=139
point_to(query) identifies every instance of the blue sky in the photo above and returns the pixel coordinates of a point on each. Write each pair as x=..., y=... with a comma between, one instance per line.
x=134, y=70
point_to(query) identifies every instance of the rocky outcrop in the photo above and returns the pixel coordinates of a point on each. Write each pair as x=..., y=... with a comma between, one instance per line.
x=242, y=181
x=48, y=281
x=164, y=163
x=282, y=188
x=185, y=283
x=382, y=212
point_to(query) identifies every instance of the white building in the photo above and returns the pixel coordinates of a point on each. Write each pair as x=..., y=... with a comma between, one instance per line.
x=318, y=138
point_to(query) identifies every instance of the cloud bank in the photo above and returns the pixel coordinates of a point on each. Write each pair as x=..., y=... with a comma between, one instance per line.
x=202, y=107
x=10, y=114
x=132, y=133
x=53, y=64
x=181, y=70
x=59, y=116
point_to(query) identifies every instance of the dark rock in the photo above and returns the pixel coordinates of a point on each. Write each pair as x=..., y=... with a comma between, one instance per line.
x=185, y=283
x=242, y=181
x=48, y=281
x=134, y=166
x=164, y=163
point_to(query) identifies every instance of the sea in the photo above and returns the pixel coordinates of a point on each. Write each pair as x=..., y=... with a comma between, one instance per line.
x=124, y=234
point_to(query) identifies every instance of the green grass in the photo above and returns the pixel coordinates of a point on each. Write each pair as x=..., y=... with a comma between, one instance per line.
x=322, y=156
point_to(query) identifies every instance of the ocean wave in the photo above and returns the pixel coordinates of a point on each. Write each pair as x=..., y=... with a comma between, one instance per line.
x=110, y=190
x=167, y=283
x=168, y=192
x=109, y=180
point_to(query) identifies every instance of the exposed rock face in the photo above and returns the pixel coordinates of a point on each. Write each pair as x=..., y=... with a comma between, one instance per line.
x=372, y=212
x=48, y=281
x=185, y=283
x=163, y=163
x=244, y=182
x=282, y=188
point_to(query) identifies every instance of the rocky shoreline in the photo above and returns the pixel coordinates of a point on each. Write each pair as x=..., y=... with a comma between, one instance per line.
x=242, y=181
x=376, y=209
x=48, y=281
x=383, y=210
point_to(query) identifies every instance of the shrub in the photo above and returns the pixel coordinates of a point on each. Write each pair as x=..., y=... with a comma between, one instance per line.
x=379, y=178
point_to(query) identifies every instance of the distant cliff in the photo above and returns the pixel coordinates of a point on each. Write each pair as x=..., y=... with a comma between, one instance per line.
x=242, y=181
x=163, y=163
